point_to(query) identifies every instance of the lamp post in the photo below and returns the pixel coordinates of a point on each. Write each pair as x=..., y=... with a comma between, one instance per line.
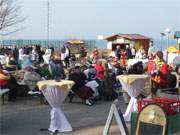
x=48, y=4
x=167, y=32
x=100, y=37
x=162, y=34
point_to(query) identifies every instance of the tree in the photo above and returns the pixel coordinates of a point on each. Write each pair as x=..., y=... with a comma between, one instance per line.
x=10, y=18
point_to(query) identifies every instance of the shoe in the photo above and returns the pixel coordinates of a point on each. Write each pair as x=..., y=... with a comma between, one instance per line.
x=88, y=102
x=33, y=92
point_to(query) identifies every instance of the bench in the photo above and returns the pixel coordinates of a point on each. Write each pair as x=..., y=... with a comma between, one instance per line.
x=2, y=93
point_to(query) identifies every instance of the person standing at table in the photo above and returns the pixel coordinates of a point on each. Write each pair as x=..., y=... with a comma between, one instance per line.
x=141, y=54
x=118, y=52
x=83, y=54
x=95, y=54
x=151, y=50
x=158, y=69
x=133, y=51
x=99, y=70
x=68, y=54
x=128, y=52
x=15, y=53
x=123, y=57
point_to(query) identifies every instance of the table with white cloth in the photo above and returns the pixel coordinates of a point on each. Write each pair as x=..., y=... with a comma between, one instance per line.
x=55, y=93
x=2, y=59
x=133, y=85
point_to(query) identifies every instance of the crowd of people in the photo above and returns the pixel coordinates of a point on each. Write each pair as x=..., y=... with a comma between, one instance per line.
x=94, y=77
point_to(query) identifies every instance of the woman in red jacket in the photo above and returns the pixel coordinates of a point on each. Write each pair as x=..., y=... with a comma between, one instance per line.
x=99, y=70
x=158, y=69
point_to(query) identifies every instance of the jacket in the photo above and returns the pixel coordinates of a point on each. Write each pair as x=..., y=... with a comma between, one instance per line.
x=158, y=71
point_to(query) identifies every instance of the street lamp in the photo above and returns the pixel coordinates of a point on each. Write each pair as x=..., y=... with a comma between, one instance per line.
x=167, y=32
x=162, y=34
x=48, y=4
x=100, y=37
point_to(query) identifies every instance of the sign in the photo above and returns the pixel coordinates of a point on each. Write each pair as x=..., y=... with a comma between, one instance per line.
x=116, y=111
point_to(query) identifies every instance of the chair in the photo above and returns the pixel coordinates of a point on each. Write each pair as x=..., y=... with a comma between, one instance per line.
x=2, y=93
x=152, y=119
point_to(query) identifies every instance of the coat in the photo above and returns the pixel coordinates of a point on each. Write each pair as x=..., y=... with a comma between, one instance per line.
x=99, y=71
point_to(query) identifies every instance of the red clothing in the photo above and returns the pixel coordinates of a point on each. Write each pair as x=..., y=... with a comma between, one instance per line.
x=123, y=58
x=3, y=83
x=4, y=78
x=95, y=53
x=158, y=71
x=100, y=71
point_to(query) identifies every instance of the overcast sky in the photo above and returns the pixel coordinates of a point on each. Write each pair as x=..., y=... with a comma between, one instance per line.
x=86, y=19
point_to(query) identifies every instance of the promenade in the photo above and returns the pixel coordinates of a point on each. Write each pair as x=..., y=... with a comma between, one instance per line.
x=27, y=117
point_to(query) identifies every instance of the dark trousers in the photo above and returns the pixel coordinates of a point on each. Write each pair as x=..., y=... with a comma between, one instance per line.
x=66, y=61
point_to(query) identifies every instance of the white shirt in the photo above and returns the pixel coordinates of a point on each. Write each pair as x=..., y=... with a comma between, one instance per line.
x=133, y=51
x=21, y=53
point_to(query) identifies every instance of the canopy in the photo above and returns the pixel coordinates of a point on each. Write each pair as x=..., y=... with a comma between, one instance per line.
x=76, y=42
x=172, y=49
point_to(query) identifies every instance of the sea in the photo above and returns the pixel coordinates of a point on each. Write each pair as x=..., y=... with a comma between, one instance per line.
x=101, y=44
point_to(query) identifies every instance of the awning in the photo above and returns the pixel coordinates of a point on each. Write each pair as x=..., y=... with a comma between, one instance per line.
x=75, y=42
x=172, y=49
x=121, y=41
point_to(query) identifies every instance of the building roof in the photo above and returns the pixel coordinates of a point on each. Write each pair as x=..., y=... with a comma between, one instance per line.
x=177, y=34
x=128, y=36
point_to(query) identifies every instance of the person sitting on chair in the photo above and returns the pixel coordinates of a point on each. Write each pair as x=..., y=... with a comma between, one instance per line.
x=9, y=82
x=79, y=88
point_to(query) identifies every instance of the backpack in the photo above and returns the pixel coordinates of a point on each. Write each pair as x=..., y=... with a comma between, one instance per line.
x=57, y=70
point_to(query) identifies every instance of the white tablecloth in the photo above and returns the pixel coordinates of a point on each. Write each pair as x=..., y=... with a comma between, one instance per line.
x=55, y=93
x=2, y=59
x=133, y=88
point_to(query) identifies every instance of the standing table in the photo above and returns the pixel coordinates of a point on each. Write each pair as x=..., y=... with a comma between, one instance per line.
x=55, y=93
x=133, y=85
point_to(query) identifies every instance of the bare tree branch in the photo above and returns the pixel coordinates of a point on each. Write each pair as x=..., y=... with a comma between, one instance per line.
x=10, y=17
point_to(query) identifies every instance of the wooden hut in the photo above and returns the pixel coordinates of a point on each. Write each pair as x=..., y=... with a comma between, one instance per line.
x=135, y=40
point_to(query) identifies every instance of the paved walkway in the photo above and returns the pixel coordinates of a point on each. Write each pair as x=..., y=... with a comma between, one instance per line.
x=27, y=117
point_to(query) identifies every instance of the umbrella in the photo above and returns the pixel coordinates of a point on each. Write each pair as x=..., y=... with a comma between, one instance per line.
x=76, y=42
x=172, y=49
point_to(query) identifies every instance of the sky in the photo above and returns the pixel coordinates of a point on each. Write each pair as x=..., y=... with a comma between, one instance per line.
x=86, y=19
